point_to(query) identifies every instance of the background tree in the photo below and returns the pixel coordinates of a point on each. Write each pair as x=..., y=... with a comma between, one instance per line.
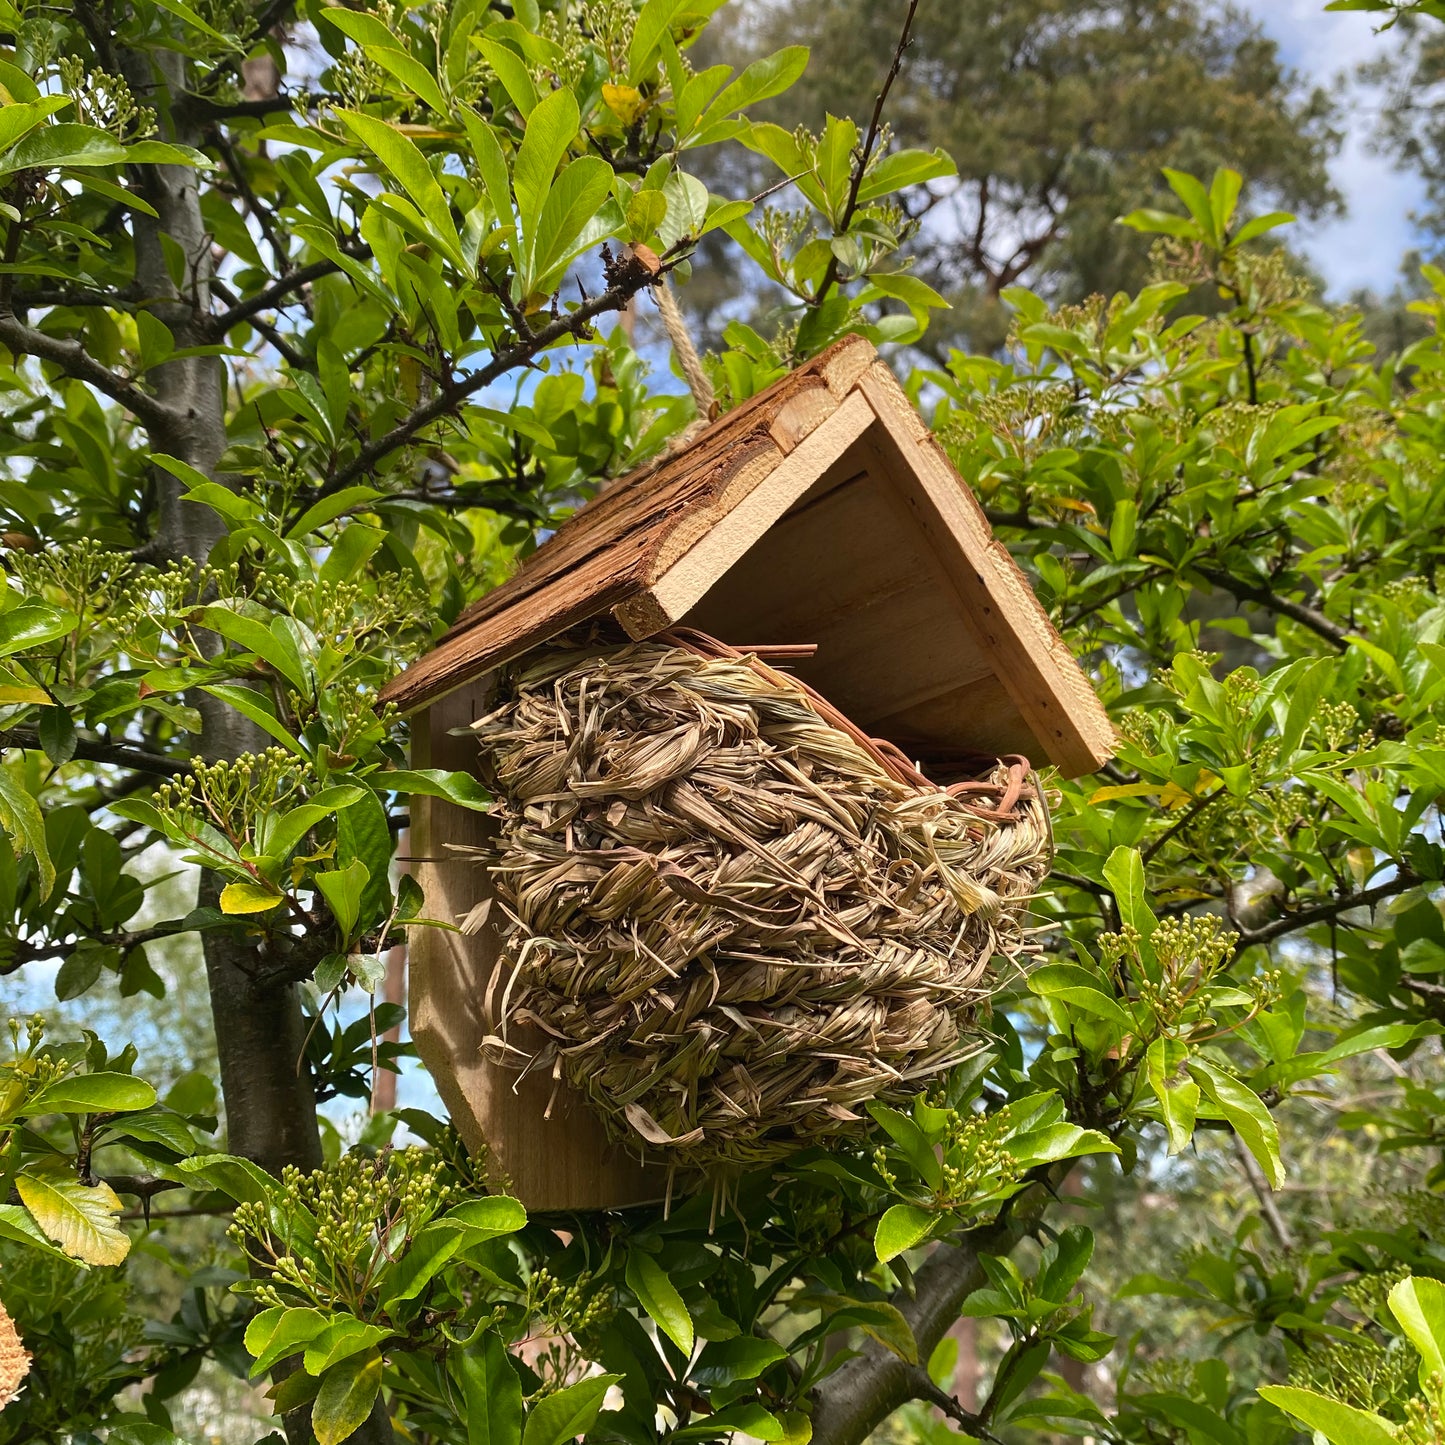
x=267, y=439
x=1060, y=118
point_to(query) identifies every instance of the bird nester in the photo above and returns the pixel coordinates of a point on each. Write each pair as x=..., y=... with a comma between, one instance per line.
x=730, y=916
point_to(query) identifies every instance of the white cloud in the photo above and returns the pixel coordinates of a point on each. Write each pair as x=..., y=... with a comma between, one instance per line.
x=1363, y=248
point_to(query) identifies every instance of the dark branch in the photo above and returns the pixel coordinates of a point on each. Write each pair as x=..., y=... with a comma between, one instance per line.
x=114, y=754
x=284, y=348
x=73, y=359
x=861, y=1394
x=1266, y=598
x=575, y=323
x=1189, y=815
x=270, y=297
x=1403, y=881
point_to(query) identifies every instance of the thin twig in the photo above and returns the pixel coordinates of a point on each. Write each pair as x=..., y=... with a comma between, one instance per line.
x=273, y=295
x=1190, y=814
x=865, y=153
x=1267, y=1207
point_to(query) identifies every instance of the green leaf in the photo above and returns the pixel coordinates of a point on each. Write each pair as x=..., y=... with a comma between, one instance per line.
x=402, y=158
x=487, y=1218
x=19, y=1228
x=551, y=129
x=645, y=213
x=343, y=1403
x=1191, y=191
x=328, y=509
x=745, y=1418
x=1260, y=224
x=362, y=835
x=459, y=788
x=659, y=1297
x=575, y=198
x=761, y=80
x=1177, y=1093
x=686, y=209
x=237, y=1178
x=1124, y=873
x=80, y=1218
x=558, y=1419
x=283, y=831
x=492, y=164
x=20, y=817
x=1080, y=988
x=387, y=51
x=1419, y=1305
x=652, y=24
x=65, y=144
x=902, y=169
x=33, y=624
x=252, y=635
x=429, y=1252
x=17, y=119
x=56, y=729
x=344, y=1336
x=1339, y=1423
x=1058, y=1141
x=250, y=702
x=104, y=1093
x=512, y=71
x=900, y=1228
x=724, y=1362
x=1245, y=1111
x=342, y=889
x=250, y=898
x=1223, y=197
x=491, y=1392
x=80, y=972
x=279, y=1332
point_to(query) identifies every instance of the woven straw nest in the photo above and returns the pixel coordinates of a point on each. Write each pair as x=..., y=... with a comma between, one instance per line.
x=728, y=917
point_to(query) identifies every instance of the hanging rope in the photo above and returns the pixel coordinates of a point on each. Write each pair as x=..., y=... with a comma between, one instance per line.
x=688, y=360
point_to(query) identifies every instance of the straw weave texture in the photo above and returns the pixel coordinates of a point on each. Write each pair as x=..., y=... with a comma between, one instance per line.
x=730, y=918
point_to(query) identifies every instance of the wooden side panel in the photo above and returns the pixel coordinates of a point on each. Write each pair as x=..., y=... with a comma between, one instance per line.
x=556, y=1163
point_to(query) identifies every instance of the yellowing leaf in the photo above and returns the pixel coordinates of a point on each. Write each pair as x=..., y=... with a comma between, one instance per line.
x=248, y=898
x=348, y=1391
x=80, y=1218
x=626, y=102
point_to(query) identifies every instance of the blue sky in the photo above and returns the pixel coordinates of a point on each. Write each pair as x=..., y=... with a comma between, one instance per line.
x=1364, y=248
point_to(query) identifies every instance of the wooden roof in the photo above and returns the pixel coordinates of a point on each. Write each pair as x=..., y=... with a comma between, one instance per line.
x=700, y=537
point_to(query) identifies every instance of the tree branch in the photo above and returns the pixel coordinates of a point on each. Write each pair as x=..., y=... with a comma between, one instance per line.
x=1267, y=1207
x=1403, y=881
x=271, y=296
x=114, y=754
x=574, y=323
x=1264, y=597
x=861, y=1394
x=73, y=359
x=865, y=153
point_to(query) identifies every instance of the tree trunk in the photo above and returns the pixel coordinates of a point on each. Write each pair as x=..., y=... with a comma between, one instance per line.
x=260, y=1029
